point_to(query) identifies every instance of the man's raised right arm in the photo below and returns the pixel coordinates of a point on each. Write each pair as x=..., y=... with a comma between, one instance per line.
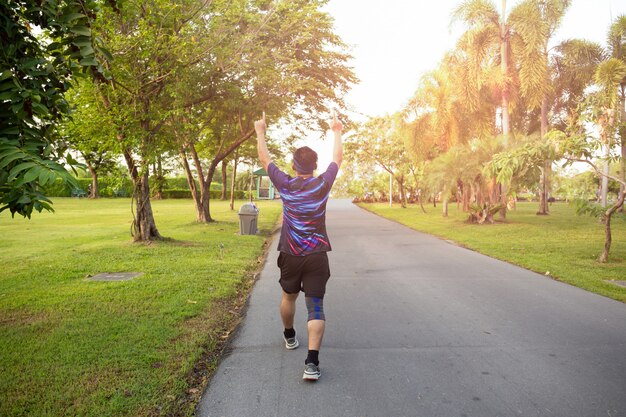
x=337, y=127
x=264, y=156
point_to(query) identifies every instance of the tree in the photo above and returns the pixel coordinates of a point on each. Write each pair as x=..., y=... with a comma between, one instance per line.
x=572, y=145
x=379, y=142
x=489, y=35
x=536, y=21
x=573, y=65
x=608, y=77
x=91, y=132
x=45, y=46
x=290, y=65
x=488, y=43
x=617, y=49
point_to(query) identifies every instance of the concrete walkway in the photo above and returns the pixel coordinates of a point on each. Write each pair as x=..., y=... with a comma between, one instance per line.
x=420, y=327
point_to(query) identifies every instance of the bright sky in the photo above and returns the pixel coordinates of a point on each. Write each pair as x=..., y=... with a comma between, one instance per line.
x=394, y=42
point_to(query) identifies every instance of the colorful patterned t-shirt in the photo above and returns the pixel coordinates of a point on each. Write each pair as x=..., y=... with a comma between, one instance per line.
x=304, y=210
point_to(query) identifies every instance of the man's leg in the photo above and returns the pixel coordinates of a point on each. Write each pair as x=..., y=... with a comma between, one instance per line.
x=316, y=324
x=316, y=333
x=288, y=309
x=287, y=313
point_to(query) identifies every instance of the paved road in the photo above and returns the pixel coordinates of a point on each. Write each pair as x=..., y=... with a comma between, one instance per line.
x=420, y=327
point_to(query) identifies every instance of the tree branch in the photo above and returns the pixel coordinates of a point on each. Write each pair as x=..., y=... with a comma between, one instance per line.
x=596, y=169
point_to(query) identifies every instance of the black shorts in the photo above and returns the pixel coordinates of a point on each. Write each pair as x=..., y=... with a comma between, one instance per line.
x=304, y=273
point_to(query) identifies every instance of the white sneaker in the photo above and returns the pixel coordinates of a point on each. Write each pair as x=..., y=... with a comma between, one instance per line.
x=291, y=343
x=311, y=372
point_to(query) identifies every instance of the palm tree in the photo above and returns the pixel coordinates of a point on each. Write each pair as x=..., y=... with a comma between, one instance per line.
x=488, y=35
x=488, y=41
x=617, y=49
x=609, y=76
x=535, y=22
x=573, y=65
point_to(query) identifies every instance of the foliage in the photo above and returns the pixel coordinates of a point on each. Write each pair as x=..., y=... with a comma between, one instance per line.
x=112, y=186
x=292, y=67
x=91, y=131
x=480, y=214
x=582, y=186
x=586, y=207
x=45, y=44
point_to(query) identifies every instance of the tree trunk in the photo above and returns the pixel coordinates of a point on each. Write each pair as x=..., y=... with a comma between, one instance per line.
x=191, y=182
x=494, y=195
x=232, y=183
x=203, y=210
x=144, y=227
x=604, y=256
x=224, y=179
x=504, y=68
x=622, y=175
x=400, y=180
x=506, y=123
x=201, y=196
x=94, y=192
x=445, y=206
x=546, y=169
x=604, y=182
x=622, y=136
x=466, y=197
x=503, y=190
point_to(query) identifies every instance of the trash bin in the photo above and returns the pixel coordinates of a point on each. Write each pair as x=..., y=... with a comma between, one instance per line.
x=248, y=215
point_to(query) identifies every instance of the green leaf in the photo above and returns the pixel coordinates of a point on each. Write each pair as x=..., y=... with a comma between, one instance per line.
x=81, y=30
x=19, y=168
x=14, y=130
x=9, y=160
x=106, y=53
x=8, y=95
x=87, y=62
x=72, y=16
x=86, y=50
x=43, y=177
x=81, y=41
x=32, y=173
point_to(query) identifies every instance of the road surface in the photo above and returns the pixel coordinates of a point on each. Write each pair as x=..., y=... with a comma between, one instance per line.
x=417, y=326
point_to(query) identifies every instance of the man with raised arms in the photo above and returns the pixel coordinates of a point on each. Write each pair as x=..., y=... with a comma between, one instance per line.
x=304, y=243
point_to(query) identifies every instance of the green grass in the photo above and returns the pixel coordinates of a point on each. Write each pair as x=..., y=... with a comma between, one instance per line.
x=69, y=346
x=563, y=245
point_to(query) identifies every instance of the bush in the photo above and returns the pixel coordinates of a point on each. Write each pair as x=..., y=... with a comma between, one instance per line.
x=109, y=187
x=123, y=187
x=177, y=193
x=214, y=194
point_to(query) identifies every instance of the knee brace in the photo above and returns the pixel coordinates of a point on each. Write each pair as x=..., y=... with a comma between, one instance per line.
x=315, y=307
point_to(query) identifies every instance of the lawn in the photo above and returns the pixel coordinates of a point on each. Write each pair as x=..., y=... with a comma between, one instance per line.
x=70, y=346
x=562, y=245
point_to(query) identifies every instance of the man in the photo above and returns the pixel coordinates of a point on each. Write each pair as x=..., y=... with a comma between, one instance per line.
x=303, y=241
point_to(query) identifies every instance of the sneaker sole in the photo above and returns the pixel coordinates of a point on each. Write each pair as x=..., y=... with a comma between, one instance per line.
x=292, y=347
x=311, y=377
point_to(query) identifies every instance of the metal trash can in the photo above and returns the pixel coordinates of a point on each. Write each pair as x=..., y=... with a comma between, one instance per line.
x=248, y=215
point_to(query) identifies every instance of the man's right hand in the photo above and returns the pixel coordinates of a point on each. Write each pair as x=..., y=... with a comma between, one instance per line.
x=335, y=124
x=260, y=126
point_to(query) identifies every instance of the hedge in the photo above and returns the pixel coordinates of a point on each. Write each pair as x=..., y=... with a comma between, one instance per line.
x=116, y=187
